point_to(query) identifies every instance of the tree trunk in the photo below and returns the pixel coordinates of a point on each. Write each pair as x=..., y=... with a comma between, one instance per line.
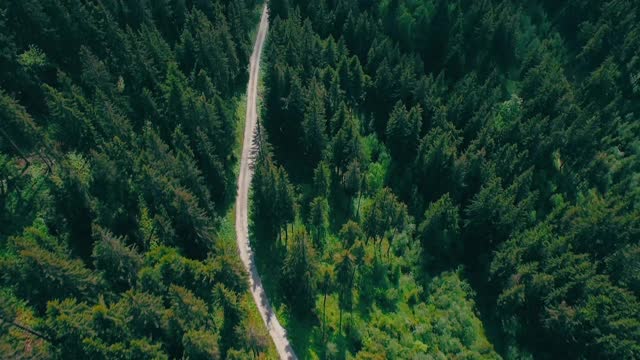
x=286, y=236
x=358, y=204
x=340, y=321
x=324, y=316
x=375, y=248
x=279, y=237
x=389, y=251
x=389, y=248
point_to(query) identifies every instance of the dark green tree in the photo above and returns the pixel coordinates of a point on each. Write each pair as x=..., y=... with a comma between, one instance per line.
x=298, y=269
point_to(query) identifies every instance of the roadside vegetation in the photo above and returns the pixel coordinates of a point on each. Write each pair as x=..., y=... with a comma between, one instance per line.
x=452, y=179
x=118, y=161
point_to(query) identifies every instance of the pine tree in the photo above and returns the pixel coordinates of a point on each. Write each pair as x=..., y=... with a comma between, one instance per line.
x=298, y=269
x=403, y=132
x=440, y=233
x=118, y=262
x=437, y=156
x=41, y=270
x=314, y=124
x=347, y=145
x=385, y=214
x=285, y=201
x=322, y=180
x=345, y=270
x=319, y=219
x=279, y=8
x=18, y=130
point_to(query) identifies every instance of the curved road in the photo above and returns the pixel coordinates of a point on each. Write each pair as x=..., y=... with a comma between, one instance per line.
x=277, y=332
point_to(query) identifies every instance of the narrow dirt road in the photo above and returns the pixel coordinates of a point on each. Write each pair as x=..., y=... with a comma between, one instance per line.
x=277, y=332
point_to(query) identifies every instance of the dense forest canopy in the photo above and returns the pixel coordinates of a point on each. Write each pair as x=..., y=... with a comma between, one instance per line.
x=117, y=137
x=433, y=179
x=452, y=179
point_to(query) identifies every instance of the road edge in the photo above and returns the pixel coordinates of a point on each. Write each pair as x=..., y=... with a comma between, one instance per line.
x=276, y=331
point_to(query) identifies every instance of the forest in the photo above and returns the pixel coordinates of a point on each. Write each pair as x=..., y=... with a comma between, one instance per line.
x=433, y=179
x=452, y=179
x=118, y=154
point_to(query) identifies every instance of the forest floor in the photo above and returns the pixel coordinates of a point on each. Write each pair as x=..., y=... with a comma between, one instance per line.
x=276, y=331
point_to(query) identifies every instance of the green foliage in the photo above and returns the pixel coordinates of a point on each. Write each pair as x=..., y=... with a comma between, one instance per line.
x=443, y=327
x=347, y=145
x=14, y=342
x=322, y=180
x=273, y=197
x=541, y=271
x=115, y=165
x=39, y=268
x=350, y=233
x=314, y=124
x=19, y=131
x=440, y=234
x=319, y=218
x=403, y=132
x=32, y=59
x=298, y=272
x=385, y=213
x=508, y=132
x=436, y=168
x=233, y=316
x=200, y=345
x=119, y=263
